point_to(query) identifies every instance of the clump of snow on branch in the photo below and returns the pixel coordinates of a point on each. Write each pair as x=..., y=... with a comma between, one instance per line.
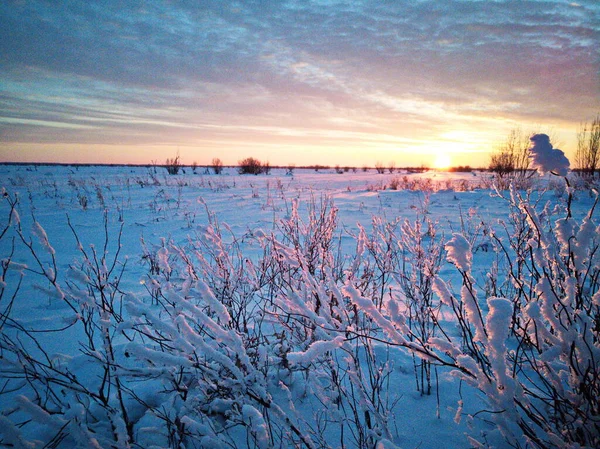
x=255, y=420
x=43, y=237
x=459, y=252
x=498, y=323
x=315, y=350
x=545, y=158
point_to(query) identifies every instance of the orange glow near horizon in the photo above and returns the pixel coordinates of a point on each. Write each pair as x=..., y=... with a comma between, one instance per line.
x=276, y=155
x=437, y=151
x=442, y=162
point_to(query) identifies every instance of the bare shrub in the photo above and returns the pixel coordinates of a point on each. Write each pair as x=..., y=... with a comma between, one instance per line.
x=8, y=290
x=250, y=166
x=173, y=165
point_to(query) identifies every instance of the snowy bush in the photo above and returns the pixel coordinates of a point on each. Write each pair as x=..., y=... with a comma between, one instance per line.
x=301, y=342
x=552, y=362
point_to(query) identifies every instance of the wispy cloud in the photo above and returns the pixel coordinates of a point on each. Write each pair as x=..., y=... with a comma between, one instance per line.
x=170, y=72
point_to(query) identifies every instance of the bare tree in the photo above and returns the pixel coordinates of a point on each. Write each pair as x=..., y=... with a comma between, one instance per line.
x=588, y=148
x=217, y=165
x=517, y=144
x=501, y=163
x=511, y=158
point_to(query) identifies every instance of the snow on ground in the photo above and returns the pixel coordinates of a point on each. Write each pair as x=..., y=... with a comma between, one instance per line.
x=152, y=207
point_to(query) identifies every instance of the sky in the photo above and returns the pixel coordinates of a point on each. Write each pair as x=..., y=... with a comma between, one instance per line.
x=292, y=81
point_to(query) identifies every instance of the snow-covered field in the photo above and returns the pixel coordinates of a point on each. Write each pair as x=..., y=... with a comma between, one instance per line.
x=321, y=309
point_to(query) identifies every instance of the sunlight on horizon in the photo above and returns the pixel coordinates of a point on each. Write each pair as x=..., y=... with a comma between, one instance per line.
x=442, y=162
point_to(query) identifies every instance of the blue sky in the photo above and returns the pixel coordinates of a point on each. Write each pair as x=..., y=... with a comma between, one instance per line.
x=292, y=81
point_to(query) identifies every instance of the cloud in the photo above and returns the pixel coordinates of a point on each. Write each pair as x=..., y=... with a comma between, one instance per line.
x=405, y=67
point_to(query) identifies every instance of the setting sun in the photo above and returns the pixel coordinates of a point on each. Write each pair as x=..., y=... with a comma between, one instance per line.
x=442, y=162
